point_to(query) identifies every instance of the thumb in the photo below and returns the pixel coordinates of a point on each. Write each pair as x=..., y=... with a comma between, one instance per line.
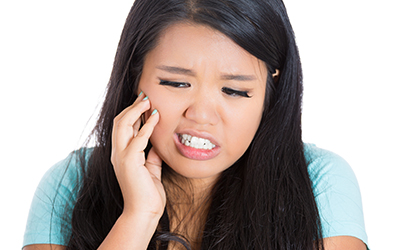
x=153, y=163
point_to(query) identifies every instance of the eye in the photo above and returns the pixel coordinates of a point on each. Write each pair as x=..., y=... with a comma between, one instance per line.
x=175, y=84
x=232, y=92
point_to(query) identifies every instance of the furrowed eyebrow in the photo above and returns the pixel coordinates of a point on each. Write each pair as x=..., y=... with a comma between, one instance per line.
x=176, y=70
x=226, y=77
x=239, y=77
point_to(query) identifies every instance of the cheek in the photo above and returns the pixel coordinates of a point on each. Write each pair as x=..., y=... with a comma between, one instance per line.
x=244, y=125
x=170, y=111
x=156, y=99
x=162, y=138
x=168, y=107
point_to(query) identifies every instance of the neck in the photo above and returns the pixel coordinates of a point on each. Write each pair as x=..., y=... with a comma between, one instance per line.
x=188, y=201
x=187, y=196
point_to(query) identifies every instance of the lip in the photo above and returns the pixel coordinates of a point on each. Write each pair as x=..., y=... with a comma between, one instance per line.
x=194, y=153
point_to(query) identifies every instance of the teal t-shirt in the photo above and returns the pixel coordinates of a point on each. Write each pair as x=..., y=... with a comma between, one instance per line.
x=335, y=187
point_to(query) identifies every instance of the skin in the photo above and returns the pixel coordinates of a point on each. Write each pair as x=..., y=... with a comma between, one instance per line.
x=214, y=62
x=209, y=59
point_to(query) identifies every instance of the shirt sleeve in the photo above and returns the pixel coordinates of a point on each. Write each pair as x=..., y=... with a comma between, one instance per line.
x=51, y=208
x=337, y=194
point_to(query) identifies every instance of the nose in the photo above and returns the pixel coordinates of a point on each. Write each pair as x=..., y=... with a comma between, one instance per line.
x=203, y=109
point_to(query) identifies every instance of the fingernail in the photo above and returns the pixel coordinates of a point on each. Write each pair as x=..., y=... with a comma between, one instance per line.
x=144, y=99
x=140, y=93
x=154, y=111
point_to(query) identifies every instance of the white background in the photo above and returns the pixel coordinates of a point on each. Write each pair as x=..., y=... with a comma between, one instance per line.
x=56, y=58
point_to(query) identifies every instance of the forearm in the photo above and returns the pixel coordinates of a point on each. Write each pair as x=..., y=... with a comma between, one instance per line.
x=130, y=232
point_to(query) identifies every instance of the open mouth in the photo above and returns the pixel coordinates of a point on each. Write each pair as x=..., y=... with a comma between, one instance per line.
x=196, y=148
x=195, y=142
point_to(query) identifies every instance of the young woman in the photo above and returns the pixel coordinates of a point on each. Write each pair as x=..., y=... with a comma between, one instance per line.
x=198, y=144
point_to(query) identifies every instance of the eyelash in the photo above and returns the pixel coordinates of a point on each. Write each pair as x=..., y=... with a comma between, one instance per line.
x=228, y=91
x=232, y=92
x=175, y=84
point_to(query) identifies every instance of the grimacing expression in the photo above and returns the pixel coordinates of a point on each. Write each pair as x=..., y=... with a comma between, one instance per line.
x=209, y=93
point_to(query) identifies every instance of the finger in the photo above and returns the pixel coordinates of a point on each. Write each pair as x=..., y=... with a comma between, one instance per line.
x=136, y=126
x=153, y=164
x=141, y=140
x=140, y=98
x=126, y=127
x=148, y=126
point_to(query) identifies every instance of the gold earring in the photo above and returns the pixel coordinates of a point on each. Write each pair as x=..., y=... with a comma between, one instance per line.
x=276, y=73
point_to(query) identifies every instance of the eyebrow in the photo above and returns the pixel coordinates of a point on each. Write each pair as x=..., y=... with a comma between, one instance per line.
x=189, y=72
x=228, y=77
x=176, y=70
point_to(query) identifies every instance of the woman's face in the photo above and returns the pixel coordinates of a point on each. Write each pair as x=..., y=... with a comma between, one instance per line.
x=209, y=93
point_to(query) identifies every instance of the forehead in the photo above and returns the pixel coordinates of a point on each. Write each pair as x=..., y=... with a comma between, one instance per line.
x=194, y=46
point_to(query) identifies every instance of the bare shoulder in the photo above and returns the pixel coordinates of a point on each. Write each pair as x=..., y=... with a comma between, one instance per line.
x=344, y=242
x=44, y=247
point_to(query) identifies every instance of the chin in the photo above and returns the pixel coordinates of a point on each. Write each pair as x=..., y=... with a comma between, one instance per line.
x=196, y=170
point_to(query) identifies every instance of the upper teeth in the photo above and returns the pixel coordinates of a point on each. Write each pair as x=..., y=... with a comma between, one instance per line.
x=195, y=142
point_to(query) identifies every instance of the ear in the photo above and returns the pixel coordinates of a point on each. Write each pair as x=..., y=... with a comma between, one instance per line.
x=276, y=75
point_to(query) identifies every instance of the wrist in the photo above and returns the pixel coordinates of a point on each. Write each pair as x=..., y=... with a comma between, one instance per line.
x=148, y=218
x=131, y=231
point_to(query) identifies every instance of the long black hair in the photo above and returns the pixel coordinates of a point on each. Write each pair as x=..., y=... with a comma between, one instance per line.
x=263, y=201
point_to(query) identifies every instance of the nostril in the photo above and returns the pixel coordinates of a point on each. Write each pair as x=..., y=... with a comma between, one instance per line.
x=202, y=114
